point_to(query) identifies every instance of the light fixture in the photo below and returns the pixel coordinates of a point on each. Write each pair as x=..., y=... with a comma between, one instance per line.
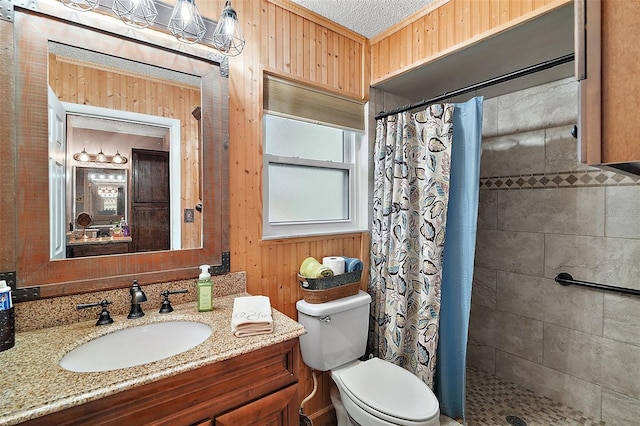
x=137, y=13
x=100, y=157
x=107, y=191
x=227, y=37
x=82, y=156
x=186, y=23
x=118, y=159
x=81, y=5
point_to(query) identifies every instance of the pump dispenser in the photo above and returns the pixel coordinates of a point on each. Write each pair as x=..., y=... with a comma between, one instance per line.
x=205, y=290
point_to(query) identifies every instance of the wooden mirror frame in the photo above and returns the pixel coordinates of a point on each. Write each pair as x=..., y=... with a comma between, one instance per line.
x=30, y=33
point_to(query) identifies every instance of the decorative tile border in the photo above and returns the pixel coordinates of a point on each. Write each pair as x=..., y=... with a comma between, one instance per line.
x=575, y=179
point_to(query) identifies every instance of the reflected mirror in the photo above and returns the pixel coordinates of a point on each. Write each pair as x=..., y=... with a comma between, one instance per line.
x=99, y=201
x=102, y=193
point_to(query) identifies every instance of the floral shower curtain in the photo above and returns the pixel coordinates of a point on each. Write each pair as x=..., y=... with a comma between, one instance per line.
x=410, y=197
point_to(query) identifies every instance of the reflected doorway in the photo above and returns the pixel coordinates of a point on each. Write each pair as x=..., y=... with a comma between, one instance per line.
x=150, y=200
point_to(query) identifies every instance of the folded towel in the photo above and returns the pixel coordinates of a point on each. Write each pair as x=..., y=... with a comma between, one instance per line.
x=311, y=268
x=353, y=264
x=251, y=316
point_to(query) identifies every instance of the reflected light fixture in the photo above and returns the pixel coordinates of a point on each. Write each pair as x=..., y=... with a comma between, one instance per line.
x=186, y=23
x=82, y=156
x=227, y=37
x=81, y=5
x=118, y=159
x=100, y=157
x=137, y=13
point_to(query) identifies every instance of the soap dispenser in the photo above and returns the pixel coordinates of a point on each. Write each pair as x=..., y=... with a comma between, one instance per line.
x=205, y=290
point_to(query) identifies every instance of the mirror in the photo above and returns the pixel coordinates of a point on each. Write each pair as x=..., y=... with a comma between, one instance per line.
x=45, y=166
x=101, y=193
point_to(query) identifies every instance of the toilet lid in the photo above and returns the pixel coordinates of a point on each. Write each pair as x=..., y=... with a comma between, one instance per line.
x=390, y=389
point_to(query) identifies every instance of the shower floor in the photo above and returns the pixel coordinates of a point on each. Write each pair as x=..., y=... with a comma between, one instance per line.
x=490, y=400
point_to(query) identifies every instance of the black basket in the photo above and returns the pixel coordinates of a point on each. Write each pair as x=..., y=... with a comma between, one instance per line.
x=329, y=282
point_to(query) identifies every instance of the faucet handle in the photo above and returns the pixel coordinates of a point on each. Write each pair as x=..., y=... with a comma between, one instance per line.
x=104, y=318
x=166, y=304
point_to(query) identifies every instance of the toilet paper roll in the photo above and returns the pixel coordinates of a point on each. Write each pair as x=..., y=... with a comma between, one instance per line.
x=336, y=263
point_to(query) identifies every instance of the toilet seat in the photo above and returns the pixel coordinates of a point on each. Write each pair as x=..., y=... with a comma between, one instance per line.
x=388, y=392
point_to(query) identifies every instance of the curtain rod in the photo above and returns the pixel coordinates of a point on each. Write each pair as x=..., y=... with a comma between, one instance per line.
x=491, y=82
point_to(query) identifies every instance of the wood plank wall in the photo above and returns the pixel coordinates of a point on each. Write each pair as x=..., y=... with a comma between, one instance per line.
x=129, y=92
x=294, y=43
x=433, y=33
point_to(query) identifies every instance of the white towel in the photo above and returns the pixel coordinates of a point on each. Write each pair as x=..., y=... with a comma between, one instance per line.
x=251, y=316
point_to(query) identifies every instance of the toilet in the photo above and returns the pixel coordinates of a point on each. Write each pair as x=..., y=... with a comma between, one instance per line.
x=369, y=393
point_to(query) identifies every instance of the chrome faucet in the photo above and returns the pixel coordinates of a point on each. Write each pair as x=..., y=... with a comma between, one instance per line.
x=137, y=297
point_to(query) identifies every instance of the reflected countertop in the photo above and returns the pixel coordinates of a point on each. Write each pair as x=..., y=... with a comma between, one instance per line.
x=35, y=385
x=97, y=240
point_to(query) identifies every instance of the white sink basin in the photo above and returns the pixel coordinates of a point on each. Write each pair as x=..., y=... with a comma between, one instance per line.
x=136, y=346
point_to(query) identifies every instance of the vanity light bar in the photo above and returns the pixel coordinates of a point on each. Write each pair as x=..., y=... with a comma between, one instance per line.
x=100, y=158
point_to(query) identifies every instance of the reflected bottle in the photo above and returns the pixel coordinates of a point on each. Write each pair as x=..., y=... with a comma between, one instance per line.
x=125, y=228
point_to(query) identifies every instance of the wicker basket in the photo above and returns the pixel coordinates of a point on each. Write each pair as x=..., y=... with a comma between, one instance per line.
x=322, y=295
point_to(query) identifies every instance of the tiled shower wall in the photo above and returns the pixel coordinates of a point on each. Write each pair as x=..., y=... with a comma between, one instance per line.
x=541, y=213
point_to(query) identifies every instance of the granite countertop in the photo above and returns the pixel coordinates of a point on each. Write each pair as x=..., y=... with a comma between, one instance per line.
x=33, y=384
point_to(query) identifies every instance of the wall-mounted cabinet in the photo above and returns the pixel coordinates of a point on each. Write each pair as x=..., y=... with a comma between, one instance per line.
x=607, y=66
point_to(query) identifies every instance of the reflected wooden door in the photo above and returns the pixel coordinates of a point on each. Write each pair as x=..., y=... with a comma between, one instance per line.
x=150, y=225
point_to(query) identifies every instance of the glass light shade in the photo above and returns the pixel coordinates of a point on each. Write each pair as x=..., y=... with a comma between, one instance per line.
x=186, y=24
x=82, y=156
x=118, y=159
x=81, y=5
x=137, y=13
x=100, y=158
x=227, y=37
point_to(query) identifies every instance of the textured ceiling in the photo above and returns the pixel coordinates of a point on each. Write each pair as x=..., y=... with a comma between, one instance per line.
x=366, y=17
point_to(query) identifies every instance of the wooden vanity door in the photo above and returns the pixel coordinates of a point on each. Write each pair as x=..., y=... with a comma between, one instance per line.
x=277, y=409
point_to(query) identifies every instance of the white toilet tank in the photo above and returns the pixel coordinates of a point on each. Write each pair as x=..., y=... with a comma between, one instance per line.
x=336, y=331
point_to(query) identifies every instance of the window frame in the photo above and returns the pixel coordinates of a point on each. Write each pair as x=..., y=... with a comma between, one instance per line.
x=354, y=162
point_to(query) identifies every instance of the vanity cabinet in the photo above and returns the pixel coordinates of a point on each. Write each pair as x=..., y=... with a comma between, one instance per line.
x=274, y=409
x=100, y=249
x=256, y=388
x=607, y=52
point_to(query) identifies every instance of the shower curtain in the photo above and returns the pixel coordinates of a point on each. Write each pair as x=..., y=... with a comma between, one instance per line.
x=459, y=252
x=410, y=196
x=417, y=159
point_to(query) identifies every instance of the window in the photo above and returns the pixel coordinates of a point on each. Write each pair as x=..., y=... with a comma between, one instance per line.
x=315, y=178
x=315, y=161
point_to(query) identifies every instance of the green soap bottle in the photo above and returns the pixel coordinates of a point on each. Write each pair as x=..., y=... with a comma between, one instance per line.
x=205, y=290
